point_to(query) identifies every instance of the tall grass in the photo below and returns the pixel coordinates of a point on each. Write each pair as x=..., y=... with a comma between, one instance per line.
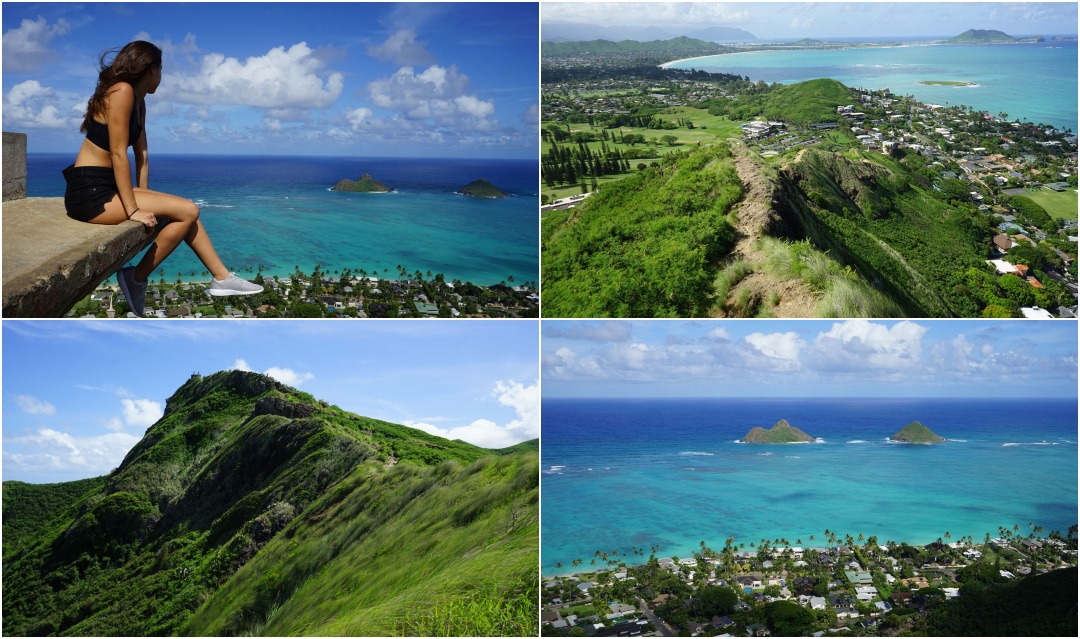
x=729, y=277
x=844, y=293
x=490, y=610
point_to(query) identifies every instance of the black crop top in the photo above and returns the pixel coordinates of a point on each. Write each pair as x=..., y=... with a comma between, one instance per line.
x=98, y=133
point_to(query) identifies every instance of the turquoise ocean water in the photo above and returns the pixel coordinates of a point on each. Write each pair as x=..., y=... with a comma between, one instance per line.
x=278, y=212
x=620, y=473
x=1037, y=81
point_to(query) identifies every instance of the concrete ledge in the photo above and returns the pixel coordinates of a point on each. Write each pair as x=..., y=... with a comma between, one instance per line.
x=14, y=165
x=51, y=261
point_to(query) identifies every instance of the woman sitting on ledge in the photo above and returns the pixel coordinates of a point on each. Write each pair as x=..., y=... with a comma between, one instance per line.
x=99, y=185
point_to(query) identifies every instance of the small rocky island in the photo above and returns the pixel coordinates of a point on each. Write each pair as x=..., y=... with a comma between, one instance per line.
x=481, y=188
x=990, y=36
x=364, y=184
x=916, y=433
x=781, y=433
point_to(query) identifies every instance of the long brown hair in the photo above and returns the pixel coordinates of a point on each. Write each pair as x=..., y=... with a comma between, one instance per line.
x=131, y=63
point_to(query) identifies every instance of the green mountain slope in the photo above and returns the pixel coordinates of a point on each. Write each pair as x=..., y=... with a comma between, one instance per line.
x=644, y=246
x=872, y=213
x=237, y=460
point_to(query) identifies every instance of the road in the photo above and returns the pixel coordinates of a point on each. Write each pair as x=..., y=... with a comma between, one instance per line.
x=660, y=626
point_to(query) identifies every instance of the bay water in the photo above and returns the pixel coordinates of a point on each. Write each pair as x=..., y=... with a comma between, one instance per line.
x=625, y=473
x=279, y=212
x=1036, y=81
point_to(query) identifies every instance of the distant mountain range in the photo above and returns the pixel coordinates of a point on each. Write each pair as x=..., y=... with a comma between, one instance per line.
x=565, y=32
x=629, y=46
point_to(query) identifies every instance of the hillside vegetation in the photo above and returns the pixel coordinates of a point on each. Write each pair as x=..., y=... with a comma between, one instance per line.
x=249, y=497
x=807, y=102
x=645, y=246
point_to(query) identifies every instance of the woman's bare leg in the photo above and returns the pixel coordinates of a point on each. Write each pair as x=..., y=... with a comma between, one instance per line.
x=184, y=225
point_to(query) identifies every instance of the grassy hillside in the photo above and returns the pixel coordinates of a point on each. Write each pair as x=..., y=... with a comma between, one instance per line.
x=236, y=460
x=32, y=509
x=644, y=246
x=807, y=102
x=873, y=214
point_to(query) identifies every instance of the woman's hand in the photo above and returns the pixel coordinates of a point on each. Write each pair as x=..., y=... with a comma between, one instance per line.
x=146, y=217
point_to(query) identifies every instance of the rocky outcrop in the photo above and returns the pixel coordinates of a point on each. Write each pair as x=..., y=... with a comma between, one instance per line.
x=282, y=407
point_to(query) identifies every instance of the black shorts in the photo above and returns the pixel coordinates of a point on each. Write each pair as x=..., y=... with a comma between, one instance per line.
x=89, y=189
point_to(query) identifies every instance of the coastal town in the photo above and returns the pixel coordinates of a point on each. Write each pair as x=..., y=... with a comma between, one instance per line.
x=1019, y=176
x=331, y=294
x=832, y=585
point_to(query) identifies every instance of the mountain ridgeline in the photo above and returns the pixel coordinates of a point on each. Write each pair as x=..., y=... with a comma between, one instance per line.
x=253, y=508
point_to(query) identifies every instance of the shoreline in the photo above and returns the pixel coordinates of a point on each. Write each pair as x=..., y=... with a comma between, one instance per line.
x=586, y=568
x=917, y=85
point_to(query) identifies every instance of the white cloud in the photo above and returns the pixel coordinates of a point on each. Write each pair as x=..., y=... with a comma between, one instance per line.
x=29, y=105
x=719, y=333
x=283, y=78
x=26, y=47
x=34, y=406
x=860, y=344
x=525, y=400
x=357, y=117
x=402, y=48
x=140, y=412
x=798, y=24
x=288, y=376
x=782, y=348
x=284, y=375
x=436, y=94
x=48, y=450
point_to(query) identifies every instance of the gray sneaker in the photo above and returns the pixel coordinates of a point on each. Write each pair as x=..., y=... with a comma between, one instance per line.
x=233, y=285
x=135, y=292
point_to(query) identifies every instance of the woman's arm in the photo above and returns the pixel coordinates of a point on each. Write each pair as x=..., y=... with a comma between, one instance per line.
x=119, y=102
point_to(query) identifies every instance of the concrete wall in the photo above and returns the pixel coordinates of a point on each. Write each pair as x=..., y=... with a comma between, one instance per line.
x=14, y=166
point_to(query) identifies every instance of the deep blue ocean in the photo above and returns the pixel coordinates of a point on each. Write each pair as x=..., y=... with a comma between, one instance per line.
x=620, y=473
x=278, y=212
x=1037, y=81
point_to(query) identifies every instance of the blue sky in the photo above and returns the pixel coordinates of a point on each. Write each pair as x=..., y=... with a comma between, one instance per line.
x=782, y=20
x=809, y=358
x=77, y=395
x=355, y=79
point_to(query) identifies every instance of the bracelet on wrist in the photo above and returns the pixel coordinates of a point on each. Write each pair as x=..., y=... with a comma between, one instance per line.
x=133, y=212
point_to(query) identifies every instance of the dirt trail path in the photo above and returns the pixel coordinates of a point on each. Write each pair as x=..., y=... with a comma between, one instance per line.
x=754, y=213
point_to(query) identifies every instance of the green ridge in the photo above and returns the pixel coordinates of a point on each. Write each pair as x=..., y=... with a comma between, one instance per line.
x=249, y=497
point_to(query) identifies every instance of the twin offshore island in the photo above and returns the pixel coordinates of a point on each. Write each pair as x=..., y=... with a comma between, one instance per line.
x=784, y=433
